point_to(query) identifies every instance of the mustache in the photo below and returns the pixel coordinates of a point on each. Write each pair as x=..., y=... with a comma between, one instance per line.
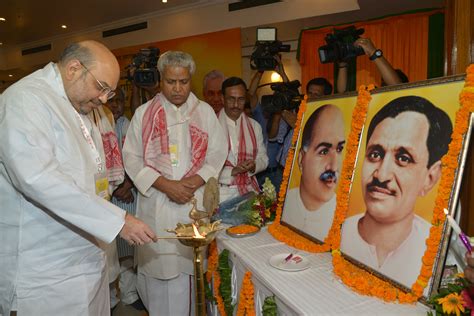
x=328, y=175
x=376, y=183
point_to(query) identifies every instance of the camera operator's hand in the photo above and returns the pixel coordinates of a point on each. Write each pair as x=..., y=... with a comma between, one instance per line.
x=289, y=117
x=388, y=73
x=367, y=45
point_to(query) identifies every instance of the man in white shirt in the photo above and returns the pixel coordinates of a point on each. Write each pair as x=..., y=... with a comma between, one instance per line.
x=173, y=146
x=406, y=140
x=211, y=90
x=247, y=153
x=310, y=207
x=52, y=184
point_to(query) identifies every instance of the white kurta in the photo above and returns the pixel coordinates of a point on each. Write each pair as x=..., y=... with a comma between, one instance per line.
x=227, y=189
x=50, y=215
x=402, y=265
x=168, y=258
x=315, y=223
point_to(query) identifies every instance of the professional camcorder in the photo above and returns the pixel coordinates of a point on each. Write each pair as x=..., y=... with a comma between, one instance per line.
x=285, y=97
x=340, y=45
x=266, y=47
x=144, y=64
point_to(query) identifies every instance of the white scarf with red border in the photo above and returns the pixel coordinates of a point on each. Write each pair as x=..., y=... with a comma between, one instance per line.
x=247, y=150
x=156, y=153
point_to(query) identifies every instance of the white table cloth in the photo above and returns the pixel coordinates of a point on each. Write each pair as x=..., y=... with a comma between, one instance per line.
x=314, y=291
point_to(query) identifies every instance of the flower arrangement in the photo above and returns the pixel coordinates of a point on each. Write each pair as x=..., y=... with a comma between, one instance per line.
x=454, y=298
x=251, y=209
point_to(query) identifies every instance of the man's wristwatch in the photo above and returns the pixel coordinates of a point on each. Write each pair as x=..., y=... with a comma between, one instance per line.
x=378, y=53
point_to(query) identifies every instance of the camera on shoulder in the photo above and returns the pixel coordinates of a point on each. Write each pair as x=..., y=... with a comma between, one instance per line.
x=340, y=45
x=285, y=97
x=144, y=63
x=266, y=47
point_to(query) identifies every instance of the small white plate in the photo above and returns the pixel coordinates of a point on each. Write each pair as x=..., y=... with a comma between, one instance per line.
x=278, y=261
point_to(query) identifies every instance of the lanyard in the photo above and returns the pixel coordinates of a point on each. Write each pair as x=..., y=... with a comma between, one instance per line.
x=87, y=136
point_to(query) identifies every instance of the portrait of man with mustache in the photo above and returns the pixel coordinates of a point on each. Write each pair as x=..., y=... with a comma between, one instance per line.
x=310, y=207
x=405, y=142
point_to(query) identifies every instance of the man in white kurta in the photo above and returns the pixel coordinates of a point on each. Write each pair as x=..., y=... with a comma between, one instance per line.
x=52, y=219
x=247, y=153
x=173, y=145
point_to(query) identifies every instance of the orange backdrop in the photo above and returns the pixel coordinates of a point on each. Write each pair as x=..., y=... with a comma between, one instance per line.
x=403, y=40
x=218, y=50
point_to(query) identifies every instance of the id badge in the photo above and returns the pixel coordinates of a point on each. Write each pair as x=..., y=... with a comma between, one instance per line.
x=174, y=154
x=102, y=186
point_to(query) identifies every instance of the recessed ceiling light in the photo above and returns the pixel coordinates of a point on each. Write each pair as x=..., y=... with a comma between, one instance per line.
x=164, y=1
x=1, y=43
x=10, y=75
x=64, y=26
x=2, y=19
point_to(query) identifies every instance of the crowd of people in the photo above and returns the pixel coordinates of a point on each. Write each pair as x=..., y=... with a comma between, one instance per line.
x=64, y=156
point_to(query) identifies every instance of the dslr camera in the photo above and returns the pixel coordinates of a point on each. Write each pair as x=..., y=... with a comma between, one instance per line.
x=144, y=63
x=266, y=47
x=340, y=45
x=285, y=97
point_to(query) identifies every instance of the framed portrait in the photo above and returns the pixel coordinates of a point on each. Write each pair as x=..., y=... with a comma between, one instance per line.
x=316, y=167
x=396, y=182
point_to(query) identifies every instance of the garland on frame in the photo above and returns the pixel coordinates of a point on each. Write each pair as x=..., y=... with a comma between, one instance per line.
x=366, y=283
x=333, y=238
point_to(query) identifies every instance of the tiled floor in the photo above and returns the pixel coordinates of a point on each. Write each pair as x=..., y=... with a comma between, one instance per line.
x=126, y=310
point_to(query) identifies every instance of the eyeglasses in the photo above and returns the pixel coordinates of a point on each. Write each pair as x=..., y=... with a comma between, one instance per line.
x=232, y=100
x=103, y=89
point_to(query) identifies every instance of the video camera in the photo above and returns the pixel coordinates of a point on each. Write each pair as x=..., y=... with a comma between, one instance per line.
x=340, y=45
x=285, y=97
x=266, y=47
x=146, y=73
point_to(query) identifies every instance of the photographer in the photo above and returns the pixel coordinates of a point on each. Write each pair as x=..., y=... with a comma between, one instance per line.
x=145, y=78
x=275, y=126
x=390, y=76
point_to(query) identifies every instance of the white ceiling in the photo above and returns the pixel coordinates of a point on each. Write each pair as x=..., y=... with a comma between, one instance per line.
x=32, y=20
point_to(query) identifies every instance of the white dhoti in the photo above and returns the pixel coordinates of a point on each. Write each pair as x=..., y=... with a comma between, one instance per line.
x=157, y=295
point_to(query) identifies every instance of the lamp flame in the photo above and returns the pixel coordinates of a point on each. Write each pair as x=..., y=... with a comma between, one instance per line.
x=196, y=232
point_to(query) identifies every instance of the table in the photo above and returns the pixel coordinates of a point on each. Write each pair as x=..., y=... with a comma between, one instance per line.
x=314, y=291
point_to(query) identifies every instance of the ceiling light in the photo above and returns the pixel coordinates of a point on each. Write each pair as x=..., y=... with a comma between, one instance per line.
x=64, y=26
x=164, y=1
x=2, y=19
x=10, y=75
x=1, y=43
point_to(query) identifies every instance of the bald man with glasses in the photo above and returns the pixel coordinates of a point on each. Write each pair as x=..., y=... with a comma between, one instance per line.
x=55, y=217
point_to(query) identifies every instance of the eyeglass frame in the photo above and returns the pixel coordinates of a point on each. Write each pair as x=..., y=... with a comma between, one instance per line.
x=103, y=89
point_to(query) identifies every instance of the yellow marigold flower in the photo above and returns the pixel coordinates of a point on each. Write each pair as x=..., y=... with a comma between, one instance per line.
x=452, y=304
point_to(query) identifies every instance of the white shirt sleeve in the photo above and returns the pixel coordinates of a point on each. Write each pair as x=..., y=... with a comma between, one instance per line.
x=261, y=162
x=27, y=151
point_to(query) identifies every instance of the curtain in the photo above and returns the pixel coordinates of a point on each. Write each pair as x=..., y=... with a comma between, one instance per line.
x=404, y=40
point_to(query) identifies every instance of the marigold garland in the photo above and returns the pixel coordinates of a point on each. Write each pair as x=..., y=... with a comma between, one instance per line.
x=212, y=275
x=246, y=305
x=366, y=283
